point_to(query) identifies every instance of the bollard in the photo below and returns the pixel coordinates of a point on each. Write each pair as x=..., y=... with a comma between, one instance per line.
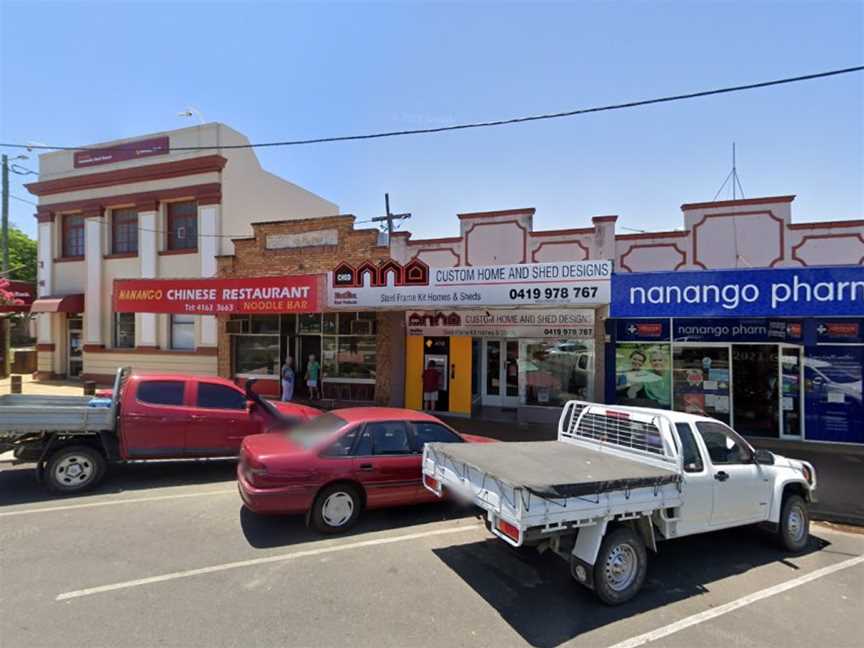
x=15, y=384
x=89, y=388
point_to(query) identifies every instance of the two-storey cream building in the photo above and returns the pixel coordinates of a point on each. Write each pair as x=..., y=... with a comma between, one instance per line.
x=163, y=205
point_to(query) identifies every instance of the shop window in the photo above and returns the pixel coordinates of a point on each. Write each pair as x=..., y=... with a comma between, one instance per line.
x=355, y=357
x=643, y=375
x=183, y=332
x=256, y=354
x=700, y=379
x=124, y=231
x=182, y=219
x=73, y=235
x=329, y=323
x=309, y=323
x=124, y=330
x=557, y=371
x=328, y=356
x=264, y=323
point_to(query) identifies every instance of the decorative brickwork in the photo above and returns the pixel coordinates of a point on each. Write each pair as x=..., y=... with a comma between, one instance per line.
x=252, y=258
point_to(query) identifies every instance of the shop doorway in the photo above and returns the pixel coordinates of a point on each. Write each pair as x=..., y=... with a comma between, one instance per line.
x=500, y=373
x=756, y=389
x=307, y=345
x=74, y=347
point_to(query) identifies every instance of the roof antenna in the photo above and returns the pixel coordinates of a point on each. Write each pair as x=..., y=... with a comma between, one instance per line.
x=736, y=181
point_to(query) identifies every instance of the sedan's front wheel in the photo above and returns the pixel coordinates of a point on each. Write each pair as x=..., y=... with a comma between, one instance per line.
x=336, y=508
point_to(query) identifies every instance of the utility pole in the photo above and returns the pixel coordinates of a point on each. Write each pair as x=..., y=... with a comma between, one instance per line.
x=4, y=238
x=389, y=218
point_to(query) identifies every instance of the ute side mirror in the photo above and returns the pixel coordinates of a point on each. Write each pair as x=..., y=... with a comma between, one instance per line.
x=763, y=457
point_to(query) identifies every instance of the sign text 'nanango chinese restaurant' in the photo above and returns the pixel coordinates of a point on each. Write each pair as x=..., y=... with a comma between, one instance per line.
x=297, y=294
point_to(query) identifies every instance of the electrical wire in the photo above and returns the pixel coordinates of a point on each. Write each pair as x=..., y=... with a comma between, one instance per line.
x=484, y=124
x=24, y=200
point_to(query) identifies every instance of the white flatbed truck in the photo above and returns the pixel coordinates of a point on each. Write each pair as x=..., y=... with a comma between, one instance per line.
x=616, y=482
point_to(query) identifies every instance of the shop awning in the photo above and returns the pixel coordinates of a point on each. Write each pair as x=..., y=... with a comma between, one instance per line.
x=59, y=304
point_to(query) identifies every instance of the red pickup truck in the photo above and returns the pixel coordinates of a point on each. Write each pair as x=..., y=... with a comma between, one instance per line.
x=148, y=416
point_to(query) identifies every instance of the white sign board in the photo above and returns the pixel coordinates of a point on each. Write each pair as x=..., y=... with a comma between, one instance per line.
x=304, y=239
x=510, y=323
x=578, y=283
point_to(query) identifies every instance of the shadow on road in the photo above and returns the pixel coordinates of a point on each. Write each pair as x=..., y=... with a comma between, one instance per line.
x=18, y=484
x=541, y=602
x=268, y=531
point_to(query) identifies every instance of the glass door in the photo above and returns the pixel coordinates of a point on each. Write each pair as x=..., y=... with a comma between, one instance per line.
x=756, y=390
x=75, y=359
x=792, y=392
x=501, y=372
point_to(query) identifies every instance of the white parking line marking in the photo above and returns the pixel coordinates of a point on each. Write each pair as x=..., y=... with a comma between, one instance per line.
x=260, y=561
x=720, y=610
x=155, y=498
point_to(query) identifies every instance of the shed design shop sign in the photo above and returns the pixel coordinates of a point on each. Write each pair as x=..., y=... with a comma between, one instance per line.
x=729, y=293
x=512, y=323
x=531, y=284
x=262, y=295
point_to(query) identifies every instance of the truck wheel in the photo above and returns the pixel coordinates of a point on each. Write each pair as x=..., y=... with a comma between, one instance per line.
x=794, y=531
x=336, y=509
x=621, y=566
x=74, y=469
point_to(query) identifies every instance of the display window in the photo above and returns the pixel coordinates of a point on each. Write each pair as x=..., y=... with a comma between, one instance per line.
x=557, y=371
x=643, y=375
x=700, y=381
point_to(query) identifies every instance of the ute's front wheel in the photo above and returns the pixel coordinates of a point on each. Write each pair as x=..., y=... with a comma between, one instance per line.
x=794, y=531
x=74, y=469
x=621, y=567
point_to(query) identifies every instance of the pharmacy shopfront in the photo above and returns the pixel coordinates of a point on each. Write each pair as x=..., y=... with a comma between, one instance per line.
x=775, y=353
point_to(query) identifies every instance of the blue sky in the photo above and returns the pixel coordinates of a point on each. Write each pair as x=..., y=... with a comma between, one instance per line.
x=77, y=73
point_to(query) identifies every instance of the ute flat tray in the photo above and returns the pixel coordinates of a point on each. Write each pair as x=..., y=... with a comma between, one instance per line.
x=555, y=469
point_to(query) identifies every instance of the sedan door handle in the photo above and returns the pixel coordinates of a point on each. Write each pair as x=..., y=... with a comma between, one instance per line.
x=367, y=467
x=721, y=476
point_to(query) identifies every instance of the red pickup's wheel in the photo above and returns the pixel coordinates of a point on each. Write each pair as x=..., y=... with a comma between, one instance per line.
x=74, y=468
x=336, y=508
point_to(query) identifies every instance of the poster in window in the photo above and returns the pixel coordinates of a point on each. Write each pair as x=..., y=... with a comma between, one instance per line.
x=643, y=375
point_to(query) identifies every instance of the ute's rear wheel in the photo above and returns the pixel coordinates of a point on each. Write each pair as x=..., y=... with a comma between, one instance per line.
x=336, y=508
x=74, y=469
x=621, y=567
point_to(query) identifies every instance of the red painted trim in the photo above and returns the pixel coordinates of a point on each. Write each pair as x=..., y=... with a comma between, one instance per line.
x=203, y=351
x=143, y=173
x=652, y=235
x=173, y=252
x=836, y=223
x=681, y=263
x=68, y=259
x=446, y=239
x=742, y=202
x=804, y=239
x=526, y=211
x=422, y=250
x=210, y=199
x=146, y=349
x=147, y=205
x=93, y=211
x=192, y=192
x=545, y=243
x=563, y=232
x=93, y=348
x=604, y=219
x=507, y=222
x=120, y=255
x=44, y=216
x=46, y=346
x=770, y=214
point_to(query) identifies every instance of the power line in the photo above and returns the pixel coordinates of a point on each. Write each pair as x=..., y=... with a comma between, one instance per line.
x=24, y=200
x=484, y=124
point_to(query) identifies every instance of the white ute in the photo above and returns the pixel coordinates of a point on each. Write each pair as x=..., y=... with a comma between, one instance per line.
x=617, y=481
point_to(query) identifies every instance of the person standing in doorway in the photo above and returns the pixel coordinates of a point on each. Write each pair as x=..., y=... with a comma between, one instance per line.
x=288, y=379
x=313, y=375
x=431, y=381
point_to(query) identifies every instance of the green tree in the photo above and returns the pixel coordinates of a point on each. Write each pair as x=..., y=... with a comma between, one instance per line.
x=22, y=252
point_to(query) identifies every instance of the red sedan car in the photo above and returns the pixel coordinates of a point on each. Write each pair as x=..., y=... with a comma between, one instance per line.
x=337, y=464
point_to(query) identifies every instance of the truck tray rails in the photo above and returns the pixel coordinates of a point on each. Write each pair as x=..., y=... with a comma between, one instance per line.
x=556, y=469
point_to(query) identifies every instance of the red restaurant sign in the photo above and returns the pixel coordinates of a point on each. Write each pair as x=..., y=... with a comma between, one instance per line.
x=122, y=152
x=260, y=295
x=16, y=296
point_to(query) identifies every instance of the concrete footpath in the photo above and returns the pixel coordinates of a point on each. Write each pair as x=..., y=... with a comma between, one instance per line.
x=839, y=467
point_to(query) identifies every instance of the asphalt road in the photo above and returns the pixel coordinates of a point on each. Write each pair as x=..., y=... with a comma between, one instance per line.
x=165, y=555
